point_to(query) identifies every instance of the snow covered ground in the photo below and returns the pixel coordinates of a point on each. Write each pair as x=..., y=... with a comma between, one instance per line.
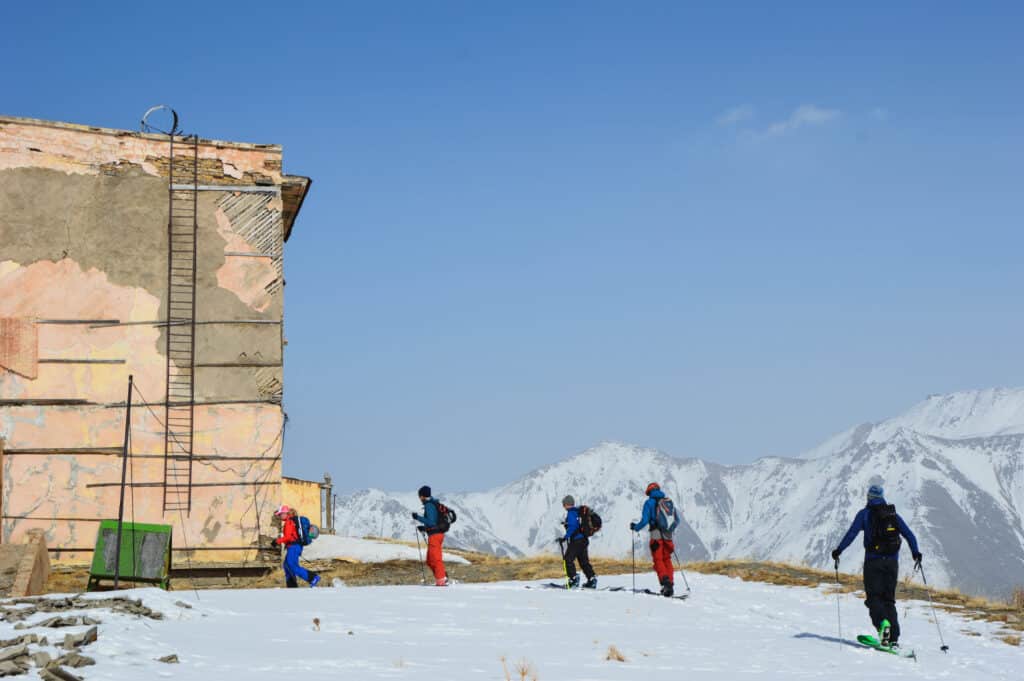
x=729, y=629
x=366, y=550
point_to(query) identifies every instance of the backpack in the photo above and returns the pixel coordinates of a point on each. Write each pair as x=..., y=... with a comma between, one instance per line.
x=445, y=517
x=307, y=531
x=885, y=530
x=665, y=517
x=590, y=522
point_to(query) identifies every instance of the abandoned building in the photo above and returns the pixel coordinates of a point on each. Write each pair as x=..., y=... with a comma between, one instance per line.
x=161, y=257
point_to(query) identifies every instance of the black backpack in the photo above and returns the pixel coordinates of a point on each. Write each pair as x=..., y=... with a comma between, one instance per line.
x=445, y=517
x=885, y=530
x=590, y=522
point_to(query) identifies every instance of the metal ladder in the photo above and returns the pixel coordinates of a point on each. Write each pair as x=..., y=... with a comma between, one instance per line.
x=182, y=228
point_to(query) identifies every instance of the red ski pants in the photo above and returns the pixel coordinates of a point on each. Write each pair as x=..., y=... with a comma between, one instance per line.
x=661, y=552
x=434, y=561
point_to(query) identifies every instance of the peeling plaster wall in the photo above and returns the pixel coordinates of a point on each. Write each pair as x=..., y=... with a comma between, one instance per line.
x=304, y=496
x=83, y=236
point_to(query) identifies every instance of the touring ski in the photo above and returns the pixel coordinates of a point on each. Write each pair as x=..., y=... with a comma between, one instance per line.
x=872, y=642
x=651, y=592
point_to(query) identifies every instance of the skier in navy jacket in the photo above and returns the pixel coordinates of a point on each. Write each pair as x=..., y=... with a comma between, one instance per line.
x=435, y=536
x=574, y=547
x=881, y=563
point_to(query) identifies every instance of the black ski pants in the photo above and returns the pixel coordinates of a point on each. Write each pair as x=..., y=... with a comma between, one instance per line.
x=880, y=578
x=577, y=551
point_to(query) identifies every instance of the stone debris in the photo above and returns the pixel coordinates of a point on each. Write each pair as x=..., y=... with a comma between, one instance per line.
x=10, y=668
x=15, y=657
x=183, y=604
x=58, y=674
x=169, y=659
x=26, y=638
x=53, y=623
x=72, y=641
x=74, y=660
x=37, y=605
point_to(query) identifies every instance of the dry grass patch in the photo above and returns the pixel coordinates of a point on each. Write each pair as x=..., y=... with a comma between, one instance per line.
x=1012, y=639
x=522, y=670
x=614, y=655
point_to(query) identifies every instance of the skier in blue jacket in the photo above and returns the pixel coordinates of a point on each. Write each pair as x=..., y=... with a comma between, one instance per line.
x=661, y=542
x=574, y=547
x=882, y=528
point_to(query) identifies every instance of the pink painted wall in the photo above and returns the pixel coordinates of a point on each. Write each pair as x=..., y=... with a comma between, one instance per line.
x=63, y=486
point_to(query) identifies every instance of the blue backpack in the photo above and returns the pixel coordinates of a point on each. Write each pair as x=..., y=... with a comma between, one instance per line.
x=666, y=518
x=307, y=530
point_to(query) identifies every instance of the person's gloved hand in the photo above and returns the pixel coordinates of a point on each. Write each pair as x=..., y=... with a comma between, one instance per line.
x=414, y=515
x=632, y=526
x=835, y=554
x=421, y=528
x=654, y=545
x=918, y=558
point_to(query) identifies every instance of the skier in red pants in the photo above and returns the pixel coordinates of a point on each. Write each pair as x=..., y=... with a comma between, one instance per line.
x=661, y=518
x=429, y=524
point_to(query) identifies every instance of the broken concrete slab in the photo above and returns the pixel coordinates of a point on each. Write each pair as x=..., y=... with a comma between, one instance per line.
x=72, y=641
x=13, y=652
x=74, y=660
x=41, y=658
x=58, y=674
x=9, y=668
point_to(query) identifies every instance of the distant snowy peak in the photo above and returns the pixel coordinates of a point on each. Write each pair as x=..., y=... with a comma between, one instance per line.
x=956, y=416
x=962, y=415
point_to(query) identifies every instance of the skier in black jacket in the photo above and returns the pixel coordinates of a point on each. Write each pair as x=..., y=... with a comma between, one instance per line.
x=882, y=528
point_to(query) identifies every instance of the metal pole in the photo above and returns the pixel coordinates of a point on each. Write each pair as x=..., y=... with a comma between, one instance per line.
x=632, y=546
x=839, y=617
x=682, y=571
x=124, y=472
x=917, y=566
x=423, y=567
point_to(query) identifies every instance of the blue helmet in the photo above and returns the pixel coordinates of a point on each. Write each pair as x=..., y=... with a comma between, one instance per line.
x=876, y=492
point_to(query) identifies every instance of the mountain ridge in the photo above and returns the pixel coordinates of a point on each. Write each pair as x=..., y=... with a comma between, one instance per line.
x=960, y=488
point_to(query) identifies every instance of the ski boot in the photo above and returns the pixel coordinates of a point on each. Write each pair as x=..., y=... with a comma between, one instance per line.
x=591, y=583
x=441, y=582
x=885, y=634
x=573, y=582
x=291, y=582
x=666, y=587
x=314, y=580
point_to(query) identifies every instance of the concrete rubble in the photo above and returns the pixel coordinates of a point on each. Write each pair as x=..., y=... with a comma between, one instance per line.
x=15, y=656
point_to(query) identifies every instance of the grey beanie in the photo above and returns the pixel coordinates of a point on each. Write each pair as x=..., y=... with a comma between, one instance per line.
x=568, y=500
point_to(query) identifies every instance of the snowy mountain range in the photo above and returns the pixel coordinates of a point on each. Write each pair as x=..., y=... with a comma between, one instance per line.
x=953, y=465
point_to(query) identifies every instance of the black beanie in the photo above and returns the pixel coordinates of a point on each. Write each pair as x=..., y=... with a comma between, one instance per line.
x=425, y=491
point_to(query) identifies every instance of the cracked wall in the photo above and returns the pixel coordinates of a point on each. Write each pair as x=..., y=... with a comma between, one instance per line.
x=83, y=260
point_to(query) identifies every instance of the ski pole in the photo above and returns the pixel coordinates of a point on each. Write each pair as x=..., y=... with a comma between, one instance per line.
x=565, y=568
x=423, y=567
x=682, y=571
x=918, y=566
x=632, y=546
x=839, y=617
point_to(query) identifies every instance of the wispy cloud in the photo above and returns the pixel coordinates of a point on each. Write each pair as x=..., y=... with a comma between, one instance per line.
x=735, y=115
x=803, y=116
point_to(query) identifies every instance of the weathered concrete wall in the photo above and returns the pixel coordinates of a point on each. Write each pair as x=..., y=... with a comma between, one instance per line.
x=83, y=236
x=304, y=496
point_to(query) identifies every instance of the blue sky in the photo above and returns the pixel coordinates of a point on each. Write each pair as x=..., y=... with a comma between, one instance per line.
x=724, y=232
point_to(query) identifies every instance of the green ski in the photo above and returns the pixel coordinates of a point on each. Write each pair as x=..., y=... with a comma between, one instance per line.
x=872, y=642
